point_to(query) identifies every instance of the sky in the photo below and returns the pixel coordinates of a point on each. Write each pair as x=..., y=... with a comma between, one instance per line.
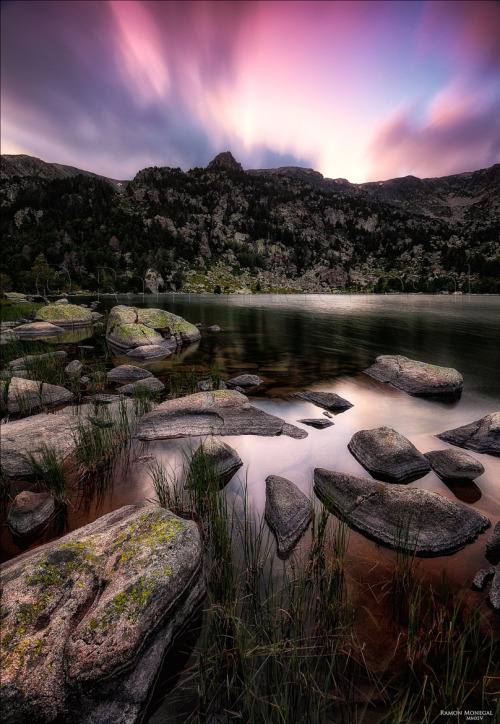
x=360, y=90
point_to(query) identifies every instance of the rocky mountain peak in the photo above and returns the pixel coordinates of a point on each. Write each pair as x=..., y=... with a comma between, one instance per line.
x=227, y=161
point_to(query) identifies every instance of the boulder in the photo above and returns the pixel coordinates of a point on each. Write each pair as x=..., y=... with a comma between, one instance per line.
x=413, y=519
x=34, y=434
x=219, y=457
x=213, y=328
x=29, y=512
x=387, y=455
x=245, y=381
x=454, y=464
x=493, y=542
x=221, y=412
x=287, y=512
x=61, y=301
x=96, y=316
x=482, y=578
x=128, y=372
x=327, y=400
x=416, y=378
x=317, y=422
x=150, y=384
x=102, y=398
x=494, y=595
x=481, y=435
x=130, y=327
x=74, y=369
x=24, y=362
x=27, y=396
x=150, y=351
x=88, y=617
x=64, y=315
x=38, y=329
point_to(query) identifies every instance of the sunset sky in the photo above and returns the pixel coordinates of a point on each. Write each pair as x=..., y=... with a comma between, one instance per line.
x=360, y=90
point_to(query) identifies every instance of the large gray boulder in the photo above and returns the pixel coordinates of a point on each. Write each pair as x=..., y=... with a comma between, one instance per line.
x=481, y=435
x=454, y=464
x=128, y=372
x=33, y=435
x=27, y=396
x=221, y=412
x=413, y=519
x=88, y=618
x=130, y=327
x=29, y=512
x=416, y=378
x=326, y=400
x=287, y=512
x=218, y=457
x=493, y=543
x=387, y=455
x=64, y=315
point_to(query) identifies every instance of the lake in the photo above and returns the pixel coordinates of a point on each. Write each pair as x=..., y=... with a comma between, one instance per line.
x=296, y=342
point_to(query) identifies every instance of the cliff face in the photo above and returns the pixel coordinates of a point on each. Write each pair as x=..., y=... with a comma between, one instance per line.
x=275, y=228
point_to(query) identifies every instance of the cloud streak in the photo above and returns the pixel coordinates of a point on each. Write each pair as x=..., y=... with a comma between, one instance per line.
x=365, y=90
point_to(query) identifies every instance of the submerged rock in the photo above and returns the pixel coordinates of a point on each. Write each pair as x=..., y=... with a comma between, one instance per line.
x=29, y=512
x=387, y=455
x=38, y=329
x=33, y=435
x=130, y=327
x=150, y=351
x=245, y=381
x=327, y=400
x=219, y=457
x=417, y=520
x=221, y=412
x=416, y=378
x=28, y=396
x=213, y=328
x=288, y=512
x=317, y=422
x=151, y=384
x=128, y=372
x=481, y=435
x=88, y=618
x=64, y=315
x=454, y=464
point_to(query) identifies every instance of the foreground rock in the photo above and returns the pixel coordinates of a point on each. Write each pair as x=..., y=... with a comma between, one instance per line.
x=245, y=381
x=29, y=512
x=130, y=327
x=482, y=435
x=149, y=351
x=31, y=436
x=454, y=465
x=23, y=363
x=327, y=400
x=38, y=329
x=218, y=457
x=387, y=455
x=27, y=396
x=64, y=315
x=74, y=369
x=416, y=378
x=222, y=412
x=288, y=512
x=87, y=618
x=481, y=580
x=317, y=422
x=395, y=515
x=150, y=384
x=493, y=543
x=128, y=372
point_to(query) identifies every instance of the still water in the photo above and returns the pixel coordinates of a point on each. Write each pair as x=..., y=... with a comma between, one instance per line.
x=297, y=342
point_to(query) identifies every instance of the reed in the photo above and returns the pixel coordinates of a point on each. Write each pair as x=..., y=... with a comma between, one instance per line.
x=98, y=443
x=49, y=472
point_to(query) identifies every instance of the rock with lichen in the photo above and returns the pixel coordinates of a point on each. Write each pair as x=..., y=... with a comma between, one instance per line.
x=415, y=377
x=130, y=327
x=87, y=619
x=64, y=315
x=388, y=455
x=481, y=435
x=24, y=397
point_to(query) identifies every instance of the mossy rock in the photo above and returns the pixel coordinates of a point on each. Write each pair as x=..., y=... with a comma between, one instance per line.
x=87, y=618
x=133, y=335
x=64, y=315
x=154, y=325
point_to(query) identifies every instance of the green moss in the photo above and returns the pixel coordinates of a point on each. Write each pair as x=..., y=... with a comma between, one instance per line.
x=54, y=313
